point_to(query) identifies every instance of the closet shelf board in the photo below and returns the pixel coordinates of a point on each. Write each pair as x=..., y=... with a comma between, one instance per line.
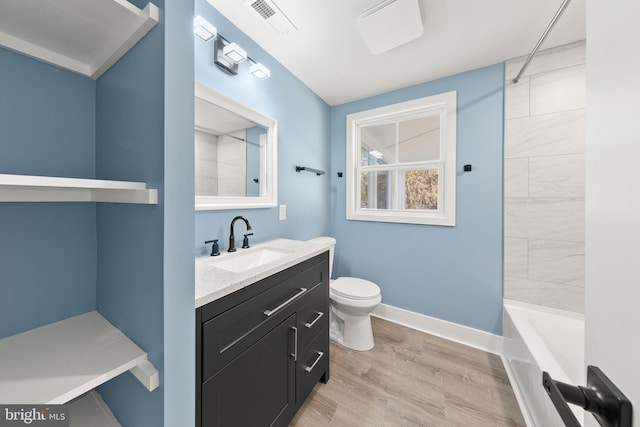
x=30, y=188
x=85, y=36
x=58, y=362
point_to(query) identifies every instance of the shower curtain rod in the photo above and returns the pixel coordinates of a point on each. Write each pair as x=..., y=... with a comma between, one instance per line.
x=564, y=5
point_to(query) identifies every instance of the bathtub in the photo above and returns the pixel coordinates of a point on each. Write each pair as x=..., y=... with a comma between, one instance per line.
x=540, y=339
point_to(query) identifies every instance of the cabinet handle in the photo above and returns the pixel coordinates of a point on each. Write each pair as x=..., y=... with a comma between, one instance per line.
x=295, y=344
x=269, y=313
x=310, y=368
x=319, y=314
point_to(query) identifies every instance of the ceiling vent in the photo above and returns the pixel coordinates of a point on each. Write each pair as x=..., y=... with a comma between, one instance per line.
x=390, y=24
x=270, y=12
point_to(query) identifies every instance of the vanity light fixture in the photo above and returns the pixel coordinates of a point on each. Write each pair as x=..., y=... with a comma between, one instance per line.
x=234, y=52
x=203, y=28
x=227, y=55
x=259, y=71
x=225, y=63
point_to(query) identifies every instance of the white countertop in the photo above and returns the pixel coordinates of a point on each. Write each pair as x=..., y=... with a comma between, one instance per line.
x=213, y=283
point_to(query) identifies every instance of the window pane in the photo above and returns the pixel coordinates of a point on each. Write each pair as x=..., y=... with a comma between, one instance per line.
x=379, y=142
x=401, y=162
x=374, y=190
x=421, y=189
x=371, y=157
x=364, y=190
x=419, y=139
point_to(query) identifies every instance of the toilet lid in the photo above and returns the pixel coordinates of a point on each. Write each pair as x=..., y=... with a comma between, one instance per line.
x=351, y=287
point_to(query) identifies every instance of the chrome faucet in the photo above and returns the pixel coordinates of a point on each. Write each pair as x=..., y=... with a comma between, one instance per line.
x=232, y=238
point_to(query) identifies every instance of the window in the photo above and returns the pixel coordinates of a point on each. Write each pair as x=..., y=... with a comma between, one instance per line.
x=401, y=162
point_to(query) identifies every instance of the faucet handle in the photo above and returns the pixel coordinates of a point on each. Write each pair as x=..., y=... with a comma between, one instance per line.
x=245, y=241
x=215, y=249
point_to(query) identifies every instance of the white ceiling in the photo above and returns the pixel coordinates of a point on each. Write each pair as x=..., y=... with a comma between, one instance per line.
x=327, y=54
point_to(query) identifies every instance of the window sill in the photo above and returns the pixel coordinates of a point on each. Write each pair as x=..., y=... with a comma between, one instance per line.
x=403, y=217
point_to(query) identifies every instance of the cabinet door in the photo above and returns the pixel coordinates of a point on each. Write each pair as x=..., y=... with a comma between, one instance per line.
x=258, y=387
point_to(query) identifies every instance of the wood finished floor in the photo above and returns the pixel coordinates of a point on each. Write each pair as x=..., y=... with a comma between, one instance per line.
x=411, y=379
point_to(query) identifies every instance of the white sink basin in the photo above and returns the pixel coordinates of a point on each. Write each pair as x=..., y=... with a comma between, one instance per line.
x=249, y=258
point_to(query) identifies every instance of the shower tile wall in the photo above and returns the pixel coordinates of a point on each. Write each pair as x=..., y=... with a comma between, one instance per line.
x=220, y=164
x=206, y=164
x=544, y=179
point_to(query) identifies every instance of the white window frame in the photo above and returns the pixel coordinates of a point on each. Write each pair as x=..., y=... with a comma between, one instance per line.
x=443, y=104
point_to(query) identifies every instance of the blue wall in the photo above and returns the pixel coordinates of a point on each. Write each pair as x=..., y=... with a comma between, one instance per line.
x=130, y=147
x=47, y=250
x=451, y=273
x=303, y=139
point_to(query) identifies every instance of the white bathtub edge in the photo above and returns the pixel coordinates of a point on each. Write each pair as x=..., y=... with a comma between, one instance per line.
x=524, y=409
x=543, y=309
x=441, y=328
x=522, y=345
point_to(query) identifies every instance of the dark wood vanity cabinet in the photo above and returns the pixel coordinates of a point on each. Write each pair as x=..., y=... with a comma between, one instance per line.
x=261, y=349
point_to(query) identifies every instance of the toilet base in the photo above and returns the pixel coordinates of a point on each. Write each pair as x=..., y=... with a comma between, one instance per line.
x=353, y=332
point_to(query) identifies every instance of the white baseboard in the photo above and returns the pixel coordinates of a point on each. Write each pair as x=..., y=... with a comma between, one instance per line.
x=441, y=328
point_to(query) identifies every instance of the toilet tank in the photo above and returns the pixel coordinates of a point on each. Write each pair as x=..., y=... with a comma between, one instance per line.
x=331, y=243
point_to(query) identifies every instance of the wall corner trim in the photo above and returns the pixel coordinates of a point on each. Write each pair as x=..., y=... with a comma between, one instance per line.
x=441, y=328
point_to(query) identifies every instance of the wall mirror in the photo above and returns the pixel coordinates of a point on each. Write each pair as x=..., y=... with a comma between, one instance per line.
x=235, y=153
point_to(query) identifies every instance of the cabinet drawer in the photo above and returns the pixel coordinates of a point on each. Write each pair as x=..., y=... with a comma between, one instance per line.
x=312, y=365
x=226, y=336
x=314, y=315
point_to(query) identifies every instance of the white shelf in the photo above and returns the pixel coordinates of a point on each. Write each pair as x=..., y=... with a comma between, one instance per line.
x=28, y=188
x=56, y=363
x=85, y=36
x=90, y=410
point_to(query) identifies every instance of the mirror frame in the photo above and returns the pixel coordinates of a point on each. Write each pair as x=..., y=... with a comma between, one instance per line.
x=208, y=203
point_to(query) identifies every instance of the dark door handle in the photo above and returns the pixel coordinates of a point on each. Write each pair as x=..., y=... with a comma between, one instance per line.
x=601, y=397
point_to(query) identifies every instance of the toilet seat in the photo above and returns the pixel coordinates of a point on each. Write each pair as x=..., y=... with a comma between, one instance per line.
x=354, y=288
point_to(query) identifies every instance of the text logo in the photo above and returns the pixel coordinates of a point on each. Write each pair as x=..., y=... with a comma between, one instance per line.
x=34, y=415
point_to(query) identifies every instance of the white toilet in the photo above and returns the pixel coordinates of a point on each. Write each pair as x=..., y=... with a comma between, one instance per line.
x=352, y=301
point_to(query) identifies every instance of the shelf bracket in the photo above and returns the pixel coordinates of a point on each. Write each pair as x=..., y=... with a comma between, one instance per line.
x=147, y=374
